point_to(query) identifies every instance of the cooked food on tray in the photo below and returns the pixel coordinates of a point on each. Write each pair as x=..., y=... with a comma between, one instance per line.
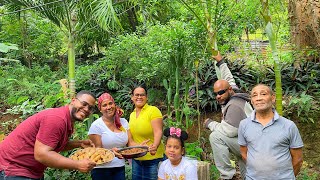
x=97, y=155
x=133, y=151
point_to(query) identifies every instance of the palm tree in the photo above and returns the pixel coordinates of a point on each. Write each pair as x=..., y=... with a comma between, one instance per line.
x=66, y=14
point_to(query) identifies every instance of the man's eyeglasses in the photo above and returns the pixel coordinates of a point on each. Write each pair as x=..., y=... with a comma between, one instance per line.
x=85, y=104
x=221, y=92
x=141, y=95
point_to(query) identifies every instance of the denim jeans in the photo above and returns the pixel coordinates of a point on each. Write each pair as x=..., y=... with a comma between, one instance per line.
x=4, y=177
x=116, y=173
x=145, y=170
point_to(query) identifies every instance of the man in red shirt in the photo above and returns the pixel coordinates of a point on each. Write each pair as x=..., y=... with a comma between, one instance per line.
x=35, y=144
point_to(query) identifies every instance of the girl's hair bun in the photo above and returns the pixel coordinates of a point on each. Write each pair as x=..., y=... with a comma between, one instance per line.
x=176, y=132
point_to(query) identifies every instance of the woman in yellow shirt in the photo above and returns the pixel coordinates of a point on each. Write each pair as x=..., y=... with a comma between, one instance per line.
x=145, y=124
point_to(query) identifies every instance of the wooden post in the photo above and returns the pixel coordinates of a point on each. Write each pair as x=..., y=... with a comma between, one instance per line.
x=203, y=169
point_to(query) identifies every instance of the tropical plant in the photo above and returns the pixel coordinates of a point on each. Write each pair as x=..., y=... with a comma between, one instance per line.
x=36, y=87
x=271, y=34
x=305, y=105
x=194, y=150
x=5, y=48
x=65, y=15
x=39, y=40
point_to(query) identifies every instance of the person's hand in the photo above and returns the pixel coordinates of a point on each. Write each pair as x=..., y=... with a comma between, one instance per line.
x=85, y=165
x=153, y=149
x=218, y=57
x=144, y=143
x=116, y=153
x=87, y=143
x=207, y=122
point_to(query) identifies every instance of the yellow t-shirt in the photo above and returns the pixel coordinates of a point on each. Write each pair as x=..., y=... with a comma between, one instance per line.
x=141, y=129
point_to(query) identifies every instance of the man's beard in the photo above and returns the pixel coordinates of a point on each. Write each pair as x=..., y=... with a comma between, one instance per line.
x=73, y=114
x=226, y=101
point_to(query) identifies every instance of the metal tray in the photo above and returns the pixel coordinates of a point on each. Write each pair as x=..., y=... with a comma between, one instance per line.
x=136, y=155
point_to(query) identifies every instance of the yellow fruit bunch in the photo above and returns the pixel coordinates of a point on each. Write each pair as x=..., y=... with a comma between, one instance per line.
x=97, y=155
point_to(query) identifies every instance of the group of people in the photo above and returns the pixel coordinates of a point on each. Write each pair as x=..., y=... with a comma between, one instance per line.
x=35, y=144
x=266, y=145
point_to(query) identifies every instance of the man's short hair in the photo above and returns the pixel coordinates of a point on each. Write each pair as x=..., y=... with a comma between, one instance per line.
x=260, y=84
x=85, y=92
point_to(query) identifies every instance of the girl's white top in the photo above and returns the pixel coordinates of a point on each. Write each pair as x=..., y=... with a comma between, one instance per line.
x=185, y=170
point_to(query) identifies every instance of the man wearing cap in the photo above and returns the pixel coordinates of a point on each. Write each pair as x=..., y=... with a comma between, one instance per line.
x=224, y=137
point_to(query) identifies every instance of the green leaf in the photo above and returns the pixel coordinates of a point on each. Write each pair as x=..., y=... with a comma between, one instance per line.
x=5, y=47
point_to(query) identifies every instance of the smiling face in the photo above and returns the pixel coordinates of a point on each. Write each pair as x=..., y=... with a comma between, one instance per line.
x=262, y=98
x=174, y=150
x=82, y=107
x=139, y=97
x=108, y=108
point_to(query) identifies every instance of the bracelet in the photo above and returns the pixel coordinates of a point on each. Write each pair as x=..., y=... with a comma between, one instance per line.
x=221, y=62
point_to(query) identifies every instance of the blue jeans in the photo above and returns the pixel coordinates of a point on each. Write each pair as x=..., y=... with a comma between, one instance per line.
x=4, y=177
x=145, y=170
x=116, y=173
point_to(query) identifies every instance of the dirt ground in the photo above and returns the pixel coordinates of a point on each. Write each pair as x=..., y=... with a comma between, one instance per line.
x=8, y=122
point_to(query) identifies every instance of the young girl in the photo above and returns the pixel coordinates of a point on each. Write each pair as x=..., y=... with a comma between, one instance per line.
x=176, y=167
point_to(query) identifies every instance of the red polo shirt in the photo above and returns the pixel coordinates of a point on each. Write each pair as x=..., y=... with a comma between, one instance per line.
x=51, y=127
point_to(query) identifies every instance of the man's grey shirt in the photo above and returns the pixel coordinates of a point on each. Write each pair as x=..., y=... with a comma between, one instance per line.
x=268, y=155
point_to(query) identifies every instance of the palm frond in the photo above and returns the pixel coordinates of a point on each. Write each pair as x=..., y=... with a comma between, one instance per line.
x=103, y=12
x=55, y=11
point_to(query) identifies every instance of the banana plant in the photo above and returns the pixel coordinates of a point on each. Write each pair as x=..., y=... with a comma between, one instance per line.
x=273, y=40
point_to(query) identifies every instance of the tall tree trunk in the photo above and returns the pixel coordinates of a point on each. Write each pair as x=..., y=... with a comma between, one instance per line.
x=25, y=40
x=304, y=18
x=132, y=18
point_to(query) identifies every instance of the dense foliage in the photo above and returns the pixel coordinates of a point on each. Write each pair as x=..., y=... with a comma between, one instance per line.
x=159, y=43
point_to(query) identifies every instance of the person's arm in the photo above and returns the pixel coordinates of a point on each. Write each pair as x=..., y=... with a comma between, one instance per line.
x=157, y=125
x=47, y=156
x=96, y=139
x=243, y=152
x=296, y=155
x=225, y=71
x=211, y=124
x=131, y=142
x=78, y=143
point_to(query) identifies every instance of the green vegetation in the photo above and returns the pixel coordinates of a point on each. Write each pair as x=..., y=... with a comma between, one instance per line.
x=162, y=43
